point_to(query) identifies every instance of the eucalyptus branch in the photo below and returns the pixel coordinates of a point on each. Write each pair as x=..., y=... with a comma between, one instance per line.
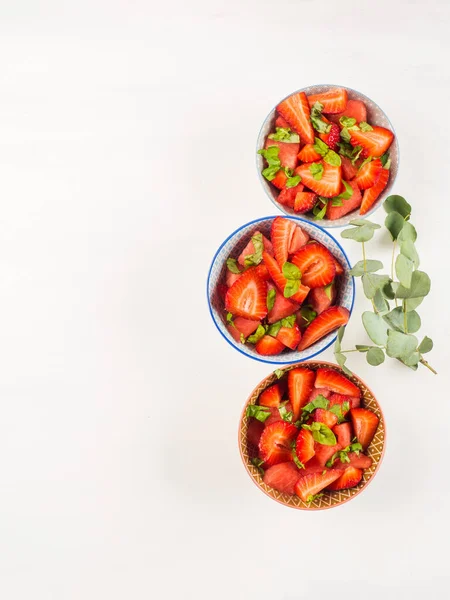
x=391, y=330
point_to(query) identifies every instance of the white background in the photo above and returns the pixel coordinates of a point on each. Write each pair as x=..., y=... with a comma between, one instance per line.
x=127, y=137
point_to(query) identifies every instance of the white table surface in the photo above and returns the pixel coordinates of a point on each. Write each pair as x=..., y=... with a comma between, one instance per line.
x=127, y=134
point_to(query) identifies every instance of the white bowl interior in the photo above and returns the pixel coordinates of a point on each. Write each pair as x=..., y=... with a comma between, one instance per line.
x=375, y=116
x=234, y=245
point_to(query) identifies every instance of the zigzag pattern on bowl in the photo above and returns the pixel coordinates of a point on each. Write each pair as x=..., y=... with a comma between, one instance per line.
x=375, y=116
x=234, y=245
x=329, y=499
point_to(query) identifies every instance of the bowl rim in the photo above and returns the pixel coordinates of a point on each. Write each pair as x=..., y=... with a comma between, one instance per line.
x=310, y=508
x=233, y=343
x=261, y=179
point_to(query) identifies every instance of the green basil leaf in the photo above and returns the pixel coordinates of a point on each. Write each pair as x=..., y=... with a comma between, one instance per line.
x=375, y=356
x=345, y=135
x=333, y=159
x=279, y=373
x=316, y=119
x=397, y=204
x=232, y=265
x=291, y=271
x=420, y=286
x=345, y=195
x=426, y=345
x=347, y=121
x=274, y=328
x=385, y=161
x=337, y=201
x=293, y=181
x=376, y=327
x=318, y=402
x=370, y=267
x=251, y=260
x=328, y=290
x=291, y=288
x=261, y=413
x=316, y=171
x=307, y=313
x=296, y=460
x=255, y=337
x=270, y=300
x=271, y=154
x=242, y=338
x=284, y=135
x=288, y=321
x=320, y=147
x=320, y=208
x=285, y=414
x=365, y=126
x=258, y=462
x=323, y=434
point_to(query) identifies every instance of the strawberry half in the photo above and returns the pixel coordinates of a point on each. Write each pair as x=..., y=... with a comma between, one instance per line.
x=365, y=424
x=336, y=382
x=275, y=443
x=343, y=433
x=308, y=155
x=352, y=203
x=304, y=446
x=339, y=267
x=355, y=109
x=287, y=152
x=349, y=478
x=330, y=183
x=326, y=417
x=247, y=297
x=360, y=461
x=280, y=281
x=261, y=271
x=279, y=181
x=316, y=264
x=287, y=196
x=312, y=484
x=269, y=346
x=368, y=174
x=332, y=137
x=376, y=142
x=300, y=385
x=334, y=100
x=328, y=321
x=281, y=234
x=304, y=201
x=271, y=396
x=289, y=336
x=371, y=195
x=282, y=477
x=295, y=110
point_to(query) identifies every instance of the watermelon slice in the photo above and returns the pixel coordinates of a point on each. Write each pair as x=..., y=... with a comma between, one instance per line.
x=299, y=239
x=354, y=202
x=287, y=152
x=250, y=249
x=282, y=307
x=322, y=298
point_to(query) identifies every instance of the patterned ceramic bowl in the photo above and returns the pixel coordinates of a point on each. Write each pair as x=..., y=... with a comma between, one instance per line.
x=329, y=499
x=375, y=116
x=233, y=246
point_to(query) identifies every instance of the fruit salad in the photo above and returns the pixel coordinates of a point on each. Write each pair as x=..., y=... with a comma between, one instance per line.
x=308, y=434
x=280, y=293
x=324, y=157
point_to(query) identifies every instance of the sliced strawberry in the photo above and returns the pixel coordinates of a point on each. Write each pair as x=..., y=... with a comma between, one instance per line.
x=281, y=234
x=357, y=459
x=275, y=414
x=349, y=478
x=279, y=181
x=287, y=152
x=312, y=466
x=254, y=432
x=368, y=174
x=316, y=264
x=300, y=385
x=376, y=142
x=334, y=100
x=269, y=346
x=287, y=196
x=243, y=326
x=271, y=396
x=336, y=382
x=330, y=183
x=324, y=453
x=304, y=446
x=282, y=477
x=280, y=281
x=304, y=201
x=349, y=171
x=340, y=399
x=339, y=267
x=250, y=248
x=308, y=155
x=280, y=122
x=319, y=392
x=247, y=297
x=299, y=239
x=343, y=433
x=352, y=203
x=275, y=443
x=289, y=336
x=332, y=137
x=321, y=298
x=326, y=417
x=365, y=424
x=328, y=321
x=295, y=110
x=312, y=484
x=355, y=109
x=261, y=271
x=371, y=195
x=282, y=307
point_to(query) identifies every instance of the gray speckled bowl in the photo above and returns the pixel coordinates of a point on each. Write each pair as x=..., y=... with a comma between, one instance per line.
x=375, y=116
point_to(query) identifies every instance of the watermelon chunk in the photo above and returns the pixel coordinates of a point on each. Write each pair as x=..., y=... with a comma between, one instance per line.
x=354, y=202
x=321, y=298
x=244, y=326
x=250, y=249
x=299, y=239
x=319, y=392
x=232, y=277
x=282, y=477
x=348, y=170
x=287, y=153
x=282, y=307
x=355, y=108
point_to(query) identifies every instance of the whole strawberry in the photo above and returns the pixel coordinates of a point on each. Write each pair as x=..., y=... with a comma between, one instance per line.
x=334, y=136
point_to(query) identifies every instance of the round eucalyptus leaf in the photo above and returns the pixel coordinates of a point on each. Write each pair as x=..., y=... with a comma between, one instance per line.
x=362, y=222
x=359, y=234
x=404, y=269
x=412, y=303
x=397, y=204
x=381, y=304
x=376, y=327
x=394, y=223
x=408, y=249
x=400, y=345
x=375, y=356
x=370, y=267
x=408, y=233
x=419, y=286
x=426, y=345
x=396, y=320
x=372, y=282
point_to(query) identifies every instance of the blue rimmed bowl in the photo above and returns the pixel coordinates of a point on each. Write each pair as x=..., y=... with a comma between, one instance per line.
x=375, y=116
x=233, y=246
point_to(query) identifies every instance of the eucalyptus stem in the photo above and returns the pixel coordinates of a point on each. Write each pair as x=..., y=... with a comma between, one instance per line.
x=392, y=266
x=427, y=365
x=365, y=271
x=405, y=319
